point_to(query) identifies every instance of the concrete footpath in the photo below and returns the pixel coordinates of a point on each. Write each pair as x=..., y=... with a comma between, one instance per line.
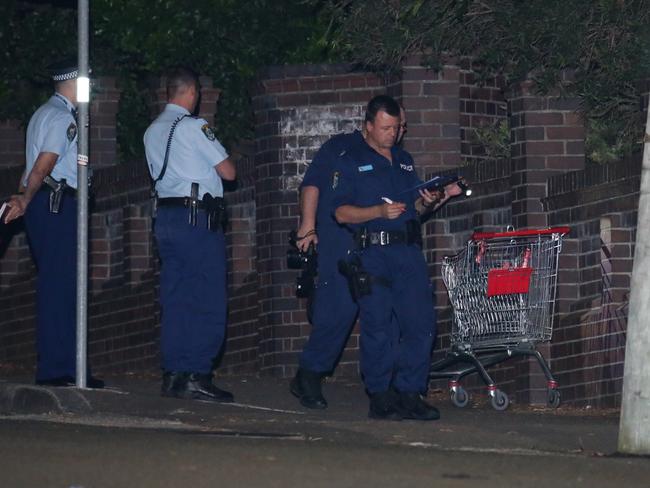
x=264, y=407
x=127, y=435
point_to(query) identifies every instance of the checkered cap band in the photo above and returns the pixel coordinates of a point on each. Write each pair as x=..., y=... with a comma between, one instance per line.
x=66, y=76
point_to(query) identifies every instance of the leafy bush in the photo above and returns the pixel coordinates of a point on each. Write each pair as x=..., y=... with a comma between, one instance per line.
x=595, y=50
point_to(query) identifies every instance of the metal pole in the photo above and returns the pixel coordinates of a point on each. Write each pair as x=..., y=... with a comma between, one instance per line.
x=634, y=429
x=82, y=196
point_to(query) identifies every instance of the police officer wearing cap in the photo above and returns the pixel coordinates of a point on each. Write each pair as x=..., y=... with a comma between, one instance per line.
x=49, y=205
x=376, y=199
x=187, y=164
x=333, y=310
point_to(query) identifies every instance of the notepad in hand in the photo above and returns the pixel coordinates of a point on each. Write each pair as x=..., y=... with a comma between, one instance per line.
x=433, y=184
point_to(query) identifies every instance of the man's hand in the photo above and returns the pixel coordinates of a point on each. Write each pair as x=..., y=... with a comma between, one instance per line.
x=305, y=237
x=392, y=210
x=17, y=205
x=453, y=190
x=430, y=198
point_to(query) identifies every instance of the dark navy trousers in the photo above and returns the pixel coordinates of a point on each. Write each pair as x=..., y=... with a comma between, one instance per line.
x=192, y=290
x=398, y=323
x=334, y=312
x=53, y=243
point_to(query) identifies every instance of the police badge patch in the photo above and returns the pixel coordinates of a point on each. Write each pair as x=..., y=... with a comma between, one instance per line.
x=335, y=180
x=71, y=133
x=207, y=130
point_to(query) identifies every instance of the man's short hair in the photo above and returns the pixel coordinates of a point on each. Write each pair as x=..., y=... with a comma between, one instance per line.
x=180, y=78
x=381, y=103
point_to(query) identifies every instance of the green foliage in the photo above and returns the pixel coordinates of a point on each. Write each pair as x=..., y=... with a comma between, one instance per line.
x=593, y=49
x=494, y=139
x=24, y=82
x=228, y=40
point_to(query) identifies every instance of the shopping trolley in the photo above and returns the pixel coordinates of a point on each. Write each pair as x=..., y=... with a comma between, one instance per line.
x=502, y=290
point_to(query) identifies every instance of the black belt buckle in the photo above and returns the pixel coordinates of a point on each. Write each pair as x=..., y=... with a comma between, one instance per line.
x=384, y=238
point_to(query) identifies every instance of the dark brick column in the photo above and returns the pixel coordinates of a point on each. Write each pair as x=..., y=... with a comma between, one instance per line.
x=431, y=102
x=208, y=102
x=296, y=108
x=103, y=112
x=547, y=137
x=12, y=143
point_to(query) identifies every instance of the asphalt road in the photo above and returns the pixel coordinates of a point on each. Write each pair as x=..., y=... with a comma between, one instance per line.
x=50, y=451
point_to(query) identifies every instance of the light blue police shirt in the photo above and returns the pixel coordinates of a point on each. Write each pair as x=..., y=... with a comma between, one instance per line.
x=193, y=155
x=53, y=129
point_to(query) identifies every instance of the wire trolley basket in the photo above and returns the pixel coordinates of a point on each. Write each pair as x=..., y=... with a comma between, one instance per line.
x=502, y=289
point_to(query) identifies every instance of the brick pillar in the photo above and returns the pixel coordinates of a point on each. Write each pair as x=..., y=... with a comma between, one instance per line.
x=158, y=96
x=103, y=119
x=208, y=103
x=296, y=108
x=209, y=99
x=12, y=143
x=431, y=101
x=547, y=137
x=482, y=106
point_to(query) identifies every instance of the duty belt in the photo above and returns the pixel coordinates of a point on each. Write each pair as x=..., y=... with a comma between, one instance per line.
x=179, y=202
x=214, y=207
x=366, y=238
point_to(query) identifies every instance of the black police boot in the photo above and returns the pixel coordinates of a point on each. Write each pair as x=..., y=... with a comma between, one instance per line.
x=383, y=406
x=173, y=383
x=199, y=387
x=306, y=386
x=412, y=406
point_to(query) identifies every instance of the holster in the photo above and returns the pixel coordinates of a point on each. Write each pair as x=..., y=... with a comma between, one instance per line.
x=57, y=189
x=215, y=209
x=194, y=203
x=359, y=281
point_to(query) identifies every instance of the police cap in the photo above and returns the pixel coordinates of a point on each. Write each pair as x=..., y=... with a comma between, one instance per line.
x=64, y=70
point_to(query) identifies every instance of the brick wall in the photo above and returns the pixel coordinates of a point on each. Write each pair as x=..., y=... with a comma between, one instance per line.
x=296, y=109
x=12, y=143
x=588, y=346
x=482, y=106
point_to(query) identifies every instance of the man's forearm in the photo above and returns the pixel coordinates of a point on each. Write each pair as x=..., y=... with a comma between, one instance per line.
x=422, y=209
x=308, y=207
x=42, y=167
x=349, y=214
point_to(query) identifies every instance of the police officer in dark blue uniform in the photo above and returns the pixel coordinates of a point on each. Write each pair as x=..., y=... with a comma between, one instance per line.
x=333, y=310
x=375, y=197
x=49, y=205
x=188, y=164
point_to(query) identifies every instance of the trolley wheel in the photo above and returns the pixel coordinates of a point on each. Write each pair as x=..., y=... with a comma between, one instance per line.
x=500, y=400
x=554, y=397
x=459, y=397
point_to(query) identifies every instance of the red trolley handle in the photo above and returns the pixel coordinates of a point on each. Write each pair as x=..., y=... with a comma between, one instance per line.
x=479, y=236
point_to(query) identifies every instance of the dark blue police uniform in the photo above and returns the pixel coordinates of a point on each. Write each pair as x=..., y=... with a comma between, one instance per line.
x=52, y=239
x=400, y=307
x=333, y=311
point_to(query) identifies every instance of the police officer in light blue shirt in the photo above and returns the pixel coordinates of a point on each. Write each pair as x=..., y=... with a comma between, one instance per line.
x=187, y=164
x=48, y=203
